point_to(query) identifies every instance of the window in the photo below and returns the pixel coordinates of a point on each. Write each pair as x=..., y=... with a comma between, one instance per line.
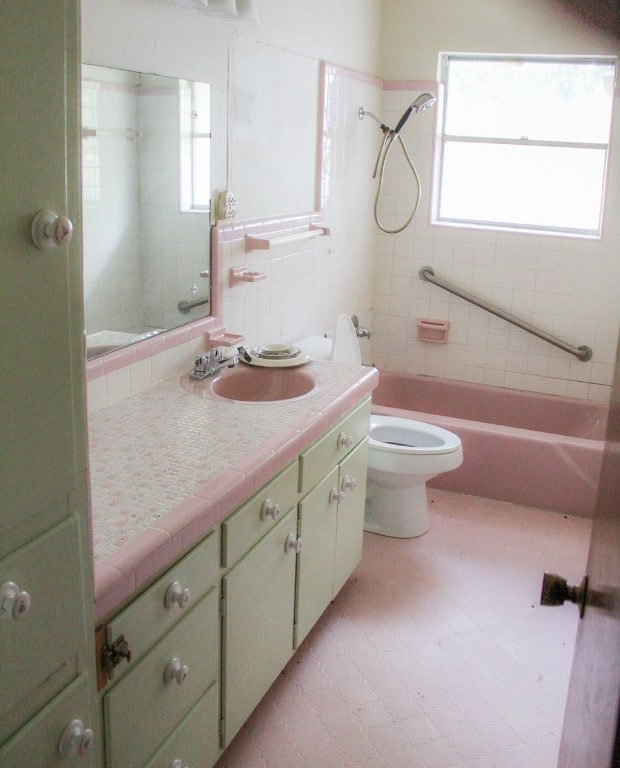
x=523, y=142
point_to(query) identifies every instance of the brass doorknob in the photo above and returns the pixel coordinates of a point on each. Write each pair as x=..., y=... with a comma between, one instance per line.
x=555, y=591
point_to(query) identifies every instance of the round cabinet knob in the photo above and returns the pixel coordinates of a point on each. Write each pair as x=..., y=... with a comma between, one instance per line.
x=75, y=740
x=177, y=764
x=176, y=594
x=344, y=441
x=176, y=671
x=335, y=496
x=292, y=544
x=14, y=602
x=269, y=509
x=50, y=230
x=348, y=484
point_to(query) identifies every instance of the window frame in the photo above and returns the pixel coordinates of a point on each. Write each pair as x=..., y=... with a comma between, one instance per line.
x=442, y=138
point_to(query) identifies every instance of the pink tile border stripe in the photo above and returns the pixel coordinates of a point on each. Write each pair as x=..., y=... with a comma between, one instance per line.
x=410, y=85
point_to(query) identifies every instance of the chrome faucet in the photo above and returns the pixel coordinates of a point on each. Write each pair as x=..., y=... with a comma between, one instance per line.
x=212, y=362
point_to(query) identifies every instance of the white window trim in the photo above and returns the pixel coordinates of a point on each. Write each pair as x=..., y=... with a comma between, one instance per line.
x=442, y=138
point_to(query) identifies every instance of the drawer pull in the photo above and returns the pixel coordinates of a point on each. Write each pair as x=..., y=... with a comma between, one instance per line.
x=177, y=764
x=175, y=671
x=269, y=509
x=348, y=484
x=344, y=441
x=14, y=602
x=176, y=594
x=292, y=543
x=335, y=496
x=75, y=740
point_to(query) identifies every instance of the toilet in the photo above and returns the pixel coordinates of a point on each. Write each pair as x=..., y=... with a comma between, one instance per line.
x=403, y=454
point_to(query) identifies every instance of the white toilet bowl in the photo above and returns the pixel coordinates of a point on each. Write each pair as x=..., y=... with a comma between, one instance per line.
x=403, y=455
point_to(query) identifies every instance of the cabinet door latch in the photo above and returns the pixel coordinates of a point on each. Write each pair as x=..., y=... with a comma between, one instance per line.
x=113, y=654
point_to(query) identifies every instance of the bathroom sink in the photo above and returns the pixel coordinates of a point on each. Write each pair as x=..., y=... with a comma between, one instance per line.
x=249, y=384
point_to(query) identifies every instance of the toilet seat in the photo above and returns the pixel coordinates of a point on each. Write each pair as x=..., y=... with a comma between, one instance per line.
x=407, y=436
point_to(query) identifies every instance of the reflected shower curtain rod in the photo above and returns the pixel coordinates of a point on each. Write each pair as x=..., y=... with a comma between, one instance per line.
x=584, y=353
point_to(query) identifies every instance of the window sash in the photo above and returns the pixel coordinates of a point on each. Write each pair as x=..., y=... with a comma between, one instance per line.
x=587, y=224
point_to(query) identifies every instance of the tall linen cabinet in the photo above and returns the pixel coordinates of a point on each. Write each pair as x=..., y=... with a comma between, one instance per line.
x=46, y=649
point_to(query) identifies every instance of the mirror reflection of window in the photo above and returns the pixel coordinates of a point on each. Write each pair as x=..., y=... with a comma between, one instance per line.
x=145, y=189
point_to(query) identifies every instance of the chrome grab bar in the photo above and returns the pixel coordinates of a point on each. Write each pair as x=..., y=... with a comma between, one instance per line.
x=583, y=353
x=185, y=306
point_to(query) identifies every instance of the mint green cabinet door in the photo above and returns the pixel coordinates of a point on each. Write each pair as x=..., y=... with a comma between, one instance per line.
x=37, y=744
x=259, y=598
x=46, y=642
x=41, y=387
x=350, y=530
x=318, y=515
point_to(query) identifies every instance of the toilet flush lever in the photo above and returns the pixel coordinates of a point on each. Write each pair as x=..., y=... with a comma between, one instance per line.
x=555, y=591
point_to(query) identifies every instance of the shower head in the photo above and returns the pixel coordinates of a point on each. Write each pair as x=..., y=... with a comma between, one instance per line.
x=424, y=101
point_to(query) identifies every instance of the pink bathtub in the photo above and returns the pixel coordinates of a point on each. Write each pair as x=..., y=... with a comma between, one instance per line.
x=523, y=447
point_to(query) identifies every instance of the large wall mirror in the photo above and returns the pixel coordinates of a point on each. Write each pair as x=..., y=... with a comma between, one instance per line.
x=145, y=191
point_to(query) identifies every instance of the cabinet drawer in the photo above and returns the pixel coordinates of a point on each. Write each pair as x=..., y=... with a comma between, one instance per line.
x=147, y=618
x=331, y=448
x=142, y=709
x=36, y=745
x=195, y=742
x=46, y=639
x=246, y=526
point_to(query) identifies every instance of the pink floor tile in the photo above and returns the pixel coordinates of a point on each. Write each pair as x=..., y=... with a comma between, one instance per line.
x=436, y=653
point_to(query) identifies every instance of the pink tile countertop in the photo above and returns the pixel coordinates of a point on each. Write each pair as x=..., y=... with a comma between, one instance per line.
x=166, y=466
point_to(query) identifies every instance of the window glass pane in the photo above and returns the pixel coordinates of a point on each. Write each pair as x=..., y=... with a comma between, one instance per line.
x=513, y=185
x=201, y=106
x=202, y=173
x=540, y=100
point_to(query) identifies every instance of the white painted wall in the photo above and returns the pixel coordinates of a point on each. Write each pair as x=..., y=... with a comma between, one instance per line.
x=412, y=33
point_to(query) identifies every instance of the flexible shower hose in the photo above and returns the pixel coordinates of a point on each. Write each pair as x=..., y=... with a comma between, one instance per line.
x=380, y=169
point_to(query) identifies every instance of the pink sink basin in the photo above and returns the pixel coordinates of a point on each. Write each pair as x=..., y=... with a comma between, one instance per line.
x=250, y=384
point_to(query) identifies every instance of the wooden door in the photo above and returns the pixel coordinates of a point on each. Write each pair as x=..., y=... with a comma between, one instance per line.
x=590, y=736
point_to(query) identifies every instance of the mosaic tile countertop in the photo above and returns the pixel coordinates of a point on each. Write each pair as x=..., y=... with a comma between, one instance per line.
x=166, y=465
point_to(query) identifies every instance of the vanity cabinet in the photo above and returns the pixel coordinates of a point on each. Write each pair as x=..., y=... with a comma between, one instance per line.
x=231, y=613
x=295, y=568
x=46, y=658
